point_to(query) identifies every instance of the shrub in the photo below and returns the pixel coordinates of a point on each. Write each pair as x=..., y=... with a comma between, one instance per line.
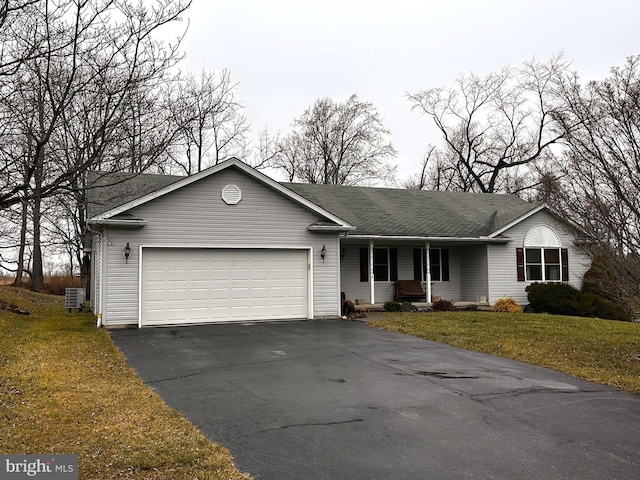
x=508, y=305
x=563, y=299
x=392, y=307
x=443, y=306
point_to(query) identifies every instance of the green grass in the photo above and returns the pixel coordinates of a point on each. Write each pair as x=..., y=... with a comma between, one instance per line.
x=65, y=388
x=602, y=351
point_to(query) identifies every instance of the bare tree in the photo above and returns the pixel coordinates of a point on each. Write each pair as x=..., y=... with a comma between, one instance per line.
x=599, y=185
x=85, y=61
x=210, y=120
x=495, y=128
x=425, y=179
x=12, y=52
x=337, y=143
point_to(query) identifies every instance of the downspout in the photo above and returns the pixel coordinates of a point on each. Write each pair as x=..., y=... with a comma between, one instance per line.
x=372, y=285
x=427, y=249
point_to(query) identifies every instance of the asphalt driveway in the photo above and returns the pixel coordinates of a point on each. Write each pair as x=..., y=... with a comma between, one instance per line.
x=341, y=400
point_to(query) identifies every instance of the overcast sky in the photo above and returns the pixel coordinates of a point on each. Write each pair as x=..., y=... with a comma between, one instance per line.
x=286, y=53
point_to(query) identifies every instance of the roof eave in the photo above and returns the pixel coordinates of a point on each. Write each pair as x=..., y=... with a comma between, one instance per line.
x=418, y=238
x=331, y=228
x=521, y=218
x=117, y=222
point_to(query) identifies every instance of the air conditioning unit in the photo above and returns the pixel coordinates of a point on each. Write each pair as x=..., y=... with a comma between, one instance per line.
x=74, y=298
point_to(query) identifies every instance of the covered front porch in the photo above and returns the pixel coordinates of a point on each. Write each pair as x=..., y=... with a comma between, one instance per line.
x=454, y=270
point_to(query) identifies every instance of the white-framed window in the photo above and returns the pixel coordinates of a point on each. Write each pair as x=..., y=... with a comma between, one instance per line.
x=543, y=264
x=542, y=258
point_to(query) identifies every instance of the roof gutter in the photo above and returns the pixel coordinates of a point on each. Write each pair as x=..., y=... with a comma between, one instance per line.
x=118, y=223
x=331, y=228
x=482, y=239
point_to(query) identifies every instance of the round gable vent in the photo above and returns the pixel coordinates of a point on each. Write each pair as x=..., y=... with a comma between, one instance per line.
x=231, y=194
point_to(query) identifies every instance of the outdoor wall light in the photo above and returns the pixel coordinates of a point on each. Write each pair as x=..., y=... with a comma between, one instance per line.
x=323, y=252
x=127, y=252
x=342, y=254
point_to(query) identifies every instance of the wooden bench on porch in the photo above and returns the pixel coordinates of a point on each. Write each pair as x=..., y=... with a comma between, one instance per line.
x=408, y=290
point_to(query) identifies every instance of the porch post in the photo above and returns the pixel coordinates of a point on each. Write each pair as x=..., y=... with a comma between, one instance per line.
x=427, y=248
x=371, y=276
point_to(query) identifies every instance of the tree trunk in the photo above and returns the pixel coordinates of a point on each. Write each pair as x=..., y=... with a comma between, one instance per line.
x=23, y=241
x=37, y=271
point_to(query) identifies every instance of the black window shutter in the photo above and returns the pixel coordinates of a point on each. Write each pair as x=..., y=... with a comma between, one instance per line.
x=393, y=263
x=444, y=258
x=565, y=264
x=520, y=263
x=364, y=264
x=417, y=264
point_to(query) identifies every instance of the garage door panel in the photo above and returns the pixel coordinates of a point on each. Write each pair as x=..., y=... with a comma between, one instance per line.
x=240, y=293
x=220, y=293
x=177, y=255
x=217, y=285
x=177, y=295
x=199, y=294
x=199, y=275
x=259, y=293
x=196, y=314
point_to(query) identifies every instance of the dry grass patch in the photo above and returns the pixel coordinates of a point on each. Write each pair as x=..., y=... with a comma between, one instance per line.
x=602, y=351
x=65, y=388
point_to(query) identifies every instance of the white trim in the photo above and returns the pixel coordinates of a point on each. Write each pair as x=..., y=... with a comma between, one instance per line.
x=521, y=218
x=427, y=261
x=427, y=239
x=119, y=223
x=103, y=277
x=140, y=247
x=339, y=272
x=228, y=245
x=372, y=280
x=309, y=249
x=330, y=228
x=232, y=162
x=310, y=283
x=542, y=264
x=488, y=274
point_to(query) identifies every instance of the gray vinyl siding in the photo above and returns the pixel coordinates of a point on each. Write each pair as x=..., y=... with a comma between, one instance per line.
x=503, y=278
x=196, y=216
x=450, y=290
x=474, y=278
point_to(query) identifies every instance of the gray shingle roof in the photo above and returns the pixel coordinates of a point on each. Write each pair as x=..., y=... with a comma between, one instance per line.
x=388, y=211
x=110, y=190
x=374, y=211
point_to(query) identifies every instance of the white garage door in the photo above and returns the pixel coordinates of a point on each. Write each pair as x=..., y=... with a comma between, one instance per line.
x=186, y=286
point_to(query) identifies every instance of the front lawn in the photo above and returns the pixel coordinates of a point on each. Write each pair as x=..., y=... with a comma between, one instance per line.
x=65, y=388
x=602, y=351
